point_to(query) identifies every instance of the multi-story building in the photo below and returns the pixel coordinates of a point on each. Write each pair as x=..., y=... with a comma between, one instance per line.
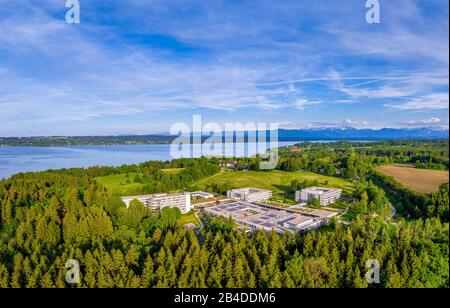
x=252, y=217
x=326, y=196
x=159, y=201
x=202, y=195
x=249, y=194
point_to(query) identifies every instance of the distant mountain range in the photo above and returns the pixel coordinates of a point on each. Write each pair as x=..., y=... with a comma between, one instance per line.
x=351, y=133
x=314, y=134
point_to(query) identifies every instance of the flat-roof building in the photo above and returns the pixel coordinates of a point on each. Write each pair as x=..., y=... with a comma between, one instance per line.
x=202, y=195
x=181, y=201
x=298, y=222
x=249, y=194
x=326, y=196
x=254, y=217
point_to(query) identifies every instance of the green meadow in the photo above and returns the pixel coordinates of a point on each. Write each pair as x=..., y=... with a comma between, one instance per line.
x=123, y=184
x=279, y=182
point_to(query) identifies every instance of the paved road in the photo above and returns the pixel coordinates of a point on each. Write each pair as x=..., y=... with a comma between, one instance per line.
x=393, y=212
x=202, y=226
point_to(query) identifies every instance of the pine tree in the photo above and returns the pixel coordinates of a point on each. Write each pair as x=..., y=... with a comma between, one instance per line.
x=135, y=282
x=287, y=281
x=394, y=279
x=46, y=281
x=4, y=277
x=17, y=276
x=316, y=272
x=359, y=282
x=215, y=273
x=147, y=274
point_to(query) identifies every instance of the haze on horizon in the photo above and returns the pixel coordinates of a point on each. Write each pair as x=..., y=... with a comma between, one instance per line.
x=137, y=67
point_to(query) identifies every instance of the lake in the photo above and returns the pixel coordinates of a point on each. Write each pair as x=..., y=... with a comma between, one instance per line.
x=26, y=159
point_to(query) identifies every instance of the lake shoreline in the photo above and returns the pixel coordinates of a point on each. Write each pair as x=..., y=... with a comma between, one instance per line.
x=15, y=160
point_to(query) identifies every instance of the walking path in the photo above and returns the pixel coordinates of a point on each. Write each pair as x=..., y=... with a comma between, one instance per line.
x=202, y=226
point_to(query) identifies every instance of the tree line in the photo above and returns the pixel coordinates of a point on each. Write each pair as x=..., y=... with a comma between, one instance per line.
x=50, y=217
x=355, y=161
x=416, y=204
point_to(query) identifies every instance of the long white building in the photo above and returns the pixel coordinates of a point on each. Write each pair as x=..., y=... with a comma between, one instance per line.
x=249, y=194
x=326, y=196
x=254, y=217
x=159, y=201
x=202, y=195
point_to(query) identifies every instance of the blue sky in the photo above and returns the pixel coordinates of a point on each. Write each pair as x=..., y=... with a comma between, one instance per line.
x=139, y=66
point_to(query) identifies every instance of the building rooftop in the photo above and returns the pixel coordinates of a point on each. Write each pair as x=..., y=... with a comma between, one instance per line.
x=249, y=190
x=202, y=194
x=320, y=190
x=154, y=196
x=299, y=220
x=323, y=214
x=260, y=217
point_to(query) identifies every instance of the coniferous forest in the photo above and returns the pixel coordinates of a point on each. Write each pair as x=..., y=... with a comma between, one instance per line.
x=50, y=217
x=224, y=152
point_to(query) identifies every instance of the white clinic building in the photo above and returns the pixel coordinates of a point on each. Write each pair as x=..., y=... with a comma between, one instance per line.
x=181, y=201
x=202, y=195
x=249, y=194
x=302, y=223
x=326, y=196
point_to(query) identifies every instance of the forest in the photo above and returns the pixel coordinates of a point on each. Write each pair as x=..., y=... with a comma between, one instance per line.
x=83, y=141
x=48, y=218
x=359, y=162
x=354, y=160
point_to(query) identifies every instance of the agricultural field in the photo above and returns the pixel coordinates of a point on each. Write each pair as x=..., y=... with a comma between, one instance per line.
x=420, y=180
x=277, y=181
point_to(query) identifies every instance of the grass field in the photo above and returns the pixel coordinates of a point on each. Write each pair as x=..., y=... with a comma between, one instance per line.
x=125, y=186
x=188, y=218
x=120, y=183
x=277, y=181
x=420, y=180
x=172, y=170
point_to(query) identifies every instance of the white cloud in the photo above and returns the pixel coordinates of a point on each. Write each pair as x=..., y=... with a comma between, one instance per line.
x=407, y=32
x=396, y=86
x=267, y=62
x=438, y=101
x=346, y=122
x=349, y=121
x=303, y=103
x=430, y=122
